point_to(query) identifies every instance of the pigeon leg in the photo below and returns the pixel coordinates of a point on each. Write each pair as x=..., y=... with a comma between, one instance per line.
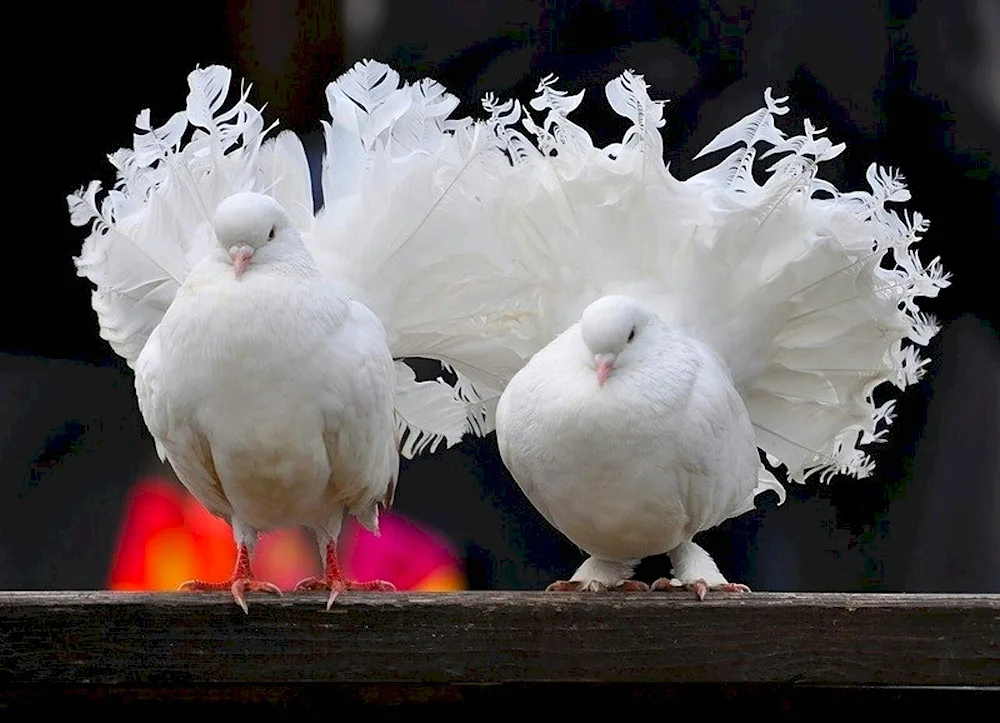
x=699, y=587
x=597, y=586
x=565, y=586
x=334, y=580
x=241, y=582
x=597, y=575
x=695, y=570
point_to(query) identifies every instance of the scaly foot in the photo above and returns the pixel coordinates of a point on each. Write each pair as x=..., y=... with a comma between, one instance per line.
x=699, y=587
x=595, y=586
x=241, y=582
x=336, y=583
x=239, y=586
x=339, y=585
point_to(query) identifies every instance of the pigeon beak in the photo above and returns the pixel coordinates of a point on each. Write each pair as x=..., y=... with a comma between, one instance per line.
x=604, y=363
x=241, y=256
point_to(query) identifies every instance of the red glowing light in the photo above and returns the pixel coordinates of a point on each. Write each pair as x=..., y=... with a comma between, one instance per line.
x=168, y=537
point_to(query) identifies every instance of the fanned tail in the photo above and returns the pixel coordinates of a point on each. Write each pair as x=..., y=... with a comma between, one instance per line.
x=404, y=189
x=815, y=298
x=154, y=225
x=809, y=294
x=403, y=228
x=477, y=242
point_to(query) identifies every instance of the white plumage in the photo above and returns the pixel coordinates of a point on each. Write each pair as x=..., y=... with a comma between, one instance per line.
x=630, y=438
x=273, y=393
x=766, y=313
x=399, y=229
x=769, y=313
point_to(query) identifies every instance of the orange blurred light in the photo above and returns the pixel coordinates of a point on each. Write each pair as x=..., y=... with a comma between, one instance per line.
x=168, y=537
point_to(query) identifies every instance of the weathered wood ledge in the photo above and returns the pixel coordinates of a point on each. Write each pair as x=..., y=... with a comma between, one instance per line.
x=149, y=640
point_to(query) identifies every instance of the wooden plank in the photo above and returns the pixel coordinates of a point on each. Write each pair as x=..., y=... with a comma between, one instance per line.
x=62, y=640
x=520, y=701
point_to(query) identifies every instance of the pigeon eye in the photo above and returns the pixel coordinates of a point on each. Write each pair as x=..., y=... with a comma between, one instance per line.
x=631, y=334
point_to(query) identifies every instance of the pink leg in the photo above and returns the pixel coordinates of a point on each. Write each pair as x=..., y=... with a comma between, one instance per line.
x=699, y=587
x=594, y=586
x=336, y=583
x=241, y=581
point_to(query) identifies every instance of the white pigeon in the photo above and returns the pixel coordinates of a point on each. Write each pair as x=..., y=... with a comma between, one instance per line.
x=476, y=244
x=270, y=392
x=269, y=342
x=630, y=438
x=676, y=326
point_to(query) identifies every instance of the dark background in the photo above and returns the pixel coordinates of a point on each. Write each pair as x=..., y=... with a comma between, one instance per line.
x=918, y=89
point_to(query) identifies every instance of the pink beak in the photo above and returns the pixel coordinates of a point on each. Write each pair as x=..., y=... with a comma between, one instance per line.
x=241, y=256
x=605, y=363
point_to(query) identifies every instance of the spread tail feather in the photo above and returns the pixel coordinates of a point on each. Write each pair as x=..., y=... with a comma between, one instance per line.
x=393, y=232
x=477, y=242
x=404, y=228
x=808, y=293
x=155, y=224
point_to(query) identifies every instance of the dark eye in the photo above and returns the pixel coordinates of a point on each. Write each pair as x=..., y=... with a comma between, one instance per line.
x=631, y=334
x=270, y=236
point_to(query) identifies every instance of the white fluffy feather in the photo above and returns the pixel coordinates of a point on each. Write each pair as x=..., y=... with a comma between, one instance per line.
x=403, y=229
x=151, y=229
x=808, y=294
x=398, y=228
x=476, y=243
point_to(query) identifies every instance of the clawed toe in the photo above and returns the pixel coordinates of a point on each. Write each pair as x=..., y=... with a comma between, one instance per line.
x=241, y=587
x=666, y=583
x=238, y=586
x=576, y=586
x=371, y=586
x=699, y=587
x=203, y=586
x=631, y=586
x=337, y=586
x=565, y=586
x=311, y=584
x=595, y=586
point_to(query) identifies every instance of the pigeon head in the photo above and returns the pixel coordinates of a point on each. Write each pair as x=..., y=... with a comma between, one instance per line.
x=611, y=327
x=247, y=222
